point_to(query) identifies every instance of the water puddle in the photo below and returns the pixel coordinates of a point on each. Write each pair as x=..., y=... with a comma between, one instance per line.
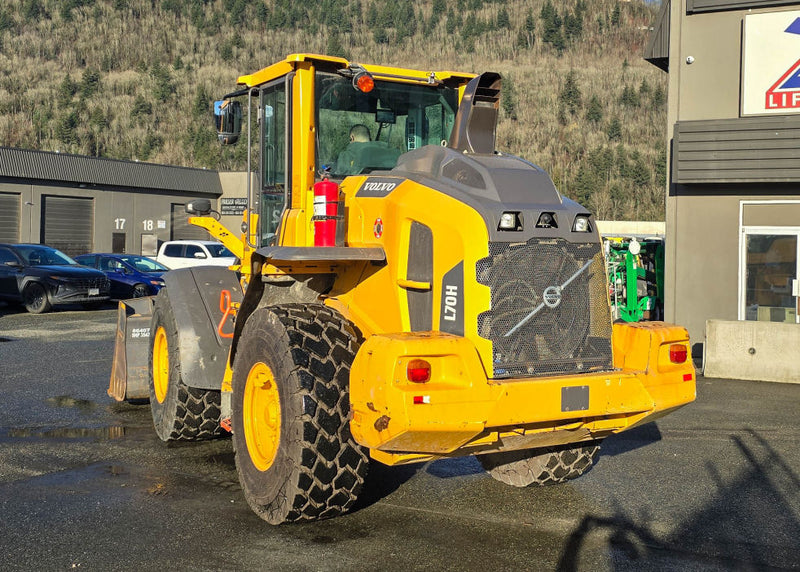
x=82, y=433
x=69, y=401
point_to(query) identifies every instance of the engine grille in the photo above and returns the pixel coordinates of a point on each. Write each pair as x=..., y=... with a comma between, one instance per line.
x=549, y=308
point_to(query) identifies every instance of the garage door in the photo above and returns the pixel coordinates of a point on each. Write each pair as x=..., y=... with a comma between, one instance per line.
x=9, y=217
x=181, y=229
x=68, y=223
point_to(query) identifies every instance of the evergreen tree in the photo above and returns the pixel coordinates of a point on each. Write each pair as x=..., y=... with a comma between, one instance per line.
x=503, y=20
x=658, y=97
x=66, y=91
x=570, y=95
x=616, y=16
x=90, y=83
x=508, y=98
x=334, y=47
x=614, y=129
x=594, y=111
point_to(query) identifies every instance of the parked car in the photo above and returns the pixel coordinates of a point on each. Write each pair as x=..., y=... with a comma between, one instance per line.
x=41, y=277
x=185, y=253
x=131, y=275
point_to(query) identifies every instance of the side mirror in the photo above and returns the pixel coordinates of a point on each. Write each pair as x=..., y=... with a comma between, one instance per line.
x=13, y=264
x=199, y=207
x=200, y=255
x=228, y=120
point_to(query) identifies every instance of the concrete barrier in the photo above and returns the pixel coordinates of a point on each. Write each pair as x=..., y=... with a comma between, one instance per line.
x=759, y=351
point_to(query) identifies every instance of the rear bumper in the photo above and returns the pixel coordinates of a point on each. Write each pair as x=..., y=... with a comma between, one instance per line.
x=459, y=411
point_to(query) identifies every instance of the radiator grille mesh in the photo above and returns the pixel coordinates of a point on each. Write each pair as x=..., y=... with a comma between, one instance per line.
x=549, y=308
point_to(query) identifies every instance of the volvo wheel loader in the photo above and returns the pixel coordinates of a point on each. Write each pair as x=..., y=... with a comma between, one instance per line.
x=406, y=293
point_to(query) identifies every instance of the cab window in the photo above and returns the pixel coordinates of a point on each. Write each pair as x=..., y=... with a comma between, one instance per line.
x=363, y=132
x=273, y=159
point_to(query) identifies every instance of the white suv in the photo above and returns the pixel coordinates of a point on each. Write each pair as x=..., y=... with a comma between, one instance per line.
x=185, y=253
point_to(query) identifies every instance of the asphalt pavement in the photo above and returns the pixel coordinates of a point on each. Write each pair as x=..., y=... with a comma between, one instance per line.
x=85, y=484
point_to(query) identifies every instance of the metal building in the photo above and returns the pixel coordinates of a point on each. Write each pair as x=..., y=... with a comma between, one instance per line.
x=733, y=196
x=83, y=204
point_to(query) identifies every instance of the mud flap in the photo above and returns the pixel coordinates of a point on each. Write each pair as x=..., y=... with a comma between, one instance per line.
x=130, y=369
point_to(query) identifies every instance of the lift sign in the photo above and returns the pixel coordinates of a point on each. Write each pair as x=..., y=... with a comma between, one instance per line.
x=771, y=63
x=785, y=93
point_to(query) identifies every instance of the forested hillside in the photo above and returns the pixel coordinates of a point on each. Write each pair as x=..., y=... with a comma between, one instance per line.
x=133, y=79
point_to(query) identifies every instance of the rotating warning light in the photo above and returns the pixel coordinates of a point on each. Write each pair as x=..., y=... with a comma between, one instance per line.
x=363, y=82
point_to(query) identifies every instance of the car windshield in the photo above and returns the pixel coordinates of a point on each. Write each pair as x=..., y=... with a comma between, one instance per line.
x=144, y=264
x=217, y=251
x=362, y=132
x=37, y=255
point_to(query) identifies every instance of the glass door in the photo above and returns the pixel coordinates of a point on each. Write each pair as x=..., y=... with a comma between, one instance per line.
x=770, y=275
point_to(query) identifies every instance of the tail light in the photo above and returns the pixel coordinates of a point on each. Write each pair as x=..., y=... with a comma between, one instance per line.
x=418, y=371
x=678, y=353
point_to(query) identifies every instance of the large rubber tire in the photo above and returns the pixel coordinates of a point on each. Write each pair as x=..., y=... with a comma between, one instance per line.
x=180, y=412
x=35, y=299
x=547, y=466
x=294, y=452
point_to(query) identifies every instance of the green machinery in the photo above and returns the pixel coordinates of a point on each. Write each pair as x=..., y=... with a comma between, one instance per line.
x=636, y=278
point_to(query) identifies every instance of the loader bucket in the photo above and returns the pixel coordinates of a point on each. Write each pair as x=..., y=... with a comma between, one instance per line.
x=129, y=372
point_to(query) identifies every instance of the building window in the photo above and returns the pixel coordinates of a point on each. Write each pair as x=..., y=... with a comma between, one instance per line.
x=770, y=274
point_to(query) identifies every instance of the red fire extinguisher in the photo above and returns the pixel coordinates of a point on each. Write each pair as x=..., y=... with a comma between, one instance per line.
x=326, y=204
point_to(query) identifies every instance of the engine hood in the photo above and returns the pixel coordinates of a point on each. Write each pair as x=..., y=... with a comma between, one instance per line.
x=65, y=270
x=493, y=184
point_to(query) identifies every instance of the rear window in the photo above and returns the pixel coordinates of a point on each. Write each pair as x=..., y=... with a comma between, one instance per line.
x=173, y=250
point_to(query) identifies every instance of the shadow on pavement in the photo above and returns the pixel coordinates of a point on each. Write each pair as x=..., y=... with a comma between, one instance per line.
x=382, y=481
x=751, y=523
x=630, y=440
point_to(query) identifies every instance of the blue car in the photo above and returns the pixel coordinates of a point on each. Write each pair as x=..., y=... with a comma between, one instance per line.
x=131, y=276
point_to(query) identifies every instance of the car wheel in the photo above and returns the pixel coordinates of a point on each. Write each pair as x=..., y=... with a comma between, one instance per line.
x=139, y=291
x=35, y=299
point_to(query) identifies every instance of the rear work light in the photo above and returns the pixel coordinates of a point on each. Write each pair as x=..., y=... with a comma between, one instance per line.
x=678, y=353
x=418, y=371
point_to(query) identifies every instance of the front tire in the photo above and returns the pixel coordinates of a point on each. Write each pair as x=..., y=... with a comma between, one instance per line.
x=35, y=299
x=139, y=291
x=295, y=455
x=546, y=466
x=180, y=412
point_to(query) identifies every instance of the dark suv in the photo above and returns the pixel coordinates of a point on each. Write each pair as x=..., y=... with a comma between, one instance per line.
x=41, y=277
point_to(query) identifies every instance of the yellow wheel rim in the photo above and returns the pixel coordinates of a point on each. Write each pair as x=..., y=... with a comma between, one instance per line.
x=262, y=416
x=160, y=364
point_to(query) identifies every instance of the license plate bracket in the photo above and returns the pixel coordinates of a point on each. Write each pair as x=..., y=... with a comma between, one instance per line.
x=575, y=398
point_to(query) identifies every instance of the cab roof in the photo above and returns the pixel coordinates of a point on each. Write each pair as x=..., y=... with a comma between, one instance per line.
x=333, y=64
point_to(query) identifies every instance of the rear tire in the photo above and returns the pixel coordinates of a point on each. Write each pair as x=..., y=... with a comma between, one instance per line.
x=180, y=412
x=35, y=299
x=295, y=455
x=546, y=466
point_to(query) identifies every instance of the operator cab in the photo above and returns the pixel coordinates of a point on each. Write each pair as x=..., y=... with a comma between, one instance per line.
x=396, y=112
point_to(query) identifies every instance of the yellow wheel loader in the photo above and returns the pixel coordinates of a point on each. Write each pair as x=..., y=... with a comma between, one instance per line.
x=406, y=292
